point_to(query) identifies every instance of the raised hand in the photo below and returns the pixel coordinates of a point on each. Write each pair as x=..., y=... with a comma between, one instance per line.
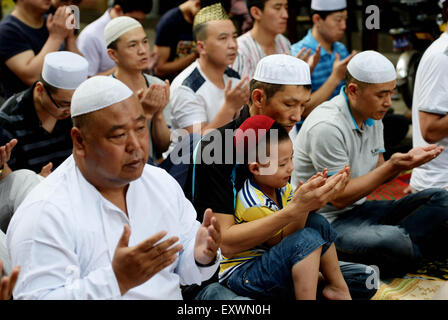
x=58, y=24
x=5, y=152
x=7, y=283
x=311, y=60
x=155, y=98
x=239, y=95
x=136, y=265
x=46, y=169
x=415, y=157
x=208, y=239
x=340, y=66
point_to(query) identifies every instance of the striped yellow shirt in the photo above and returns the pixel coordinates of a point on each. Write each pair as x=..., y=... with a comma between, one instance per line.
x=252, y=204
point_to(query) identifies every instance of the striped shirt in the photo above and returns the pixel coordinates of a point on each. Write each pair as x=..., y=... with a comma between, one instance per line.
x=250, y=52
x=325, y=66
x=36, y=147
x=253, y=204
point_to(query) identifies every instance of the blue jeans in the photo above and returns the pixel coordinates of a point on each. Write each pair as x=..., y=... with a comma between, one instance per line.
x=395, y=235
x=269, y=275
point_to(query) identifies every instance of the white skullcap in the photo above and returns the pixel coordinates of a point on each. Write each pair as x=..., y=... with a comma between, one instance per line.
x=328, y=5
x=64, y=69
x=371, y=67
x=283, y=69
x=118, y=27
x=97, y=93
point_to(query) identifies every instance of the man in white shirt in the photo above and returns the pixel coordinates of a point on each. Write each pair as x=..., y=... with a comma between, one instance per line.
x=208, y=94
x=91, y=39
x=429, y=113
x=104, y=225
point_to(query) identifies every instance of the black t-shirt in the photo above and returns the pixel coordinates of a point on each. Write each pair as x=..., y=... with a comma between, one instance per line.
x=213, y=186
x=17, y=37
x=36, y=146
x=175, y=32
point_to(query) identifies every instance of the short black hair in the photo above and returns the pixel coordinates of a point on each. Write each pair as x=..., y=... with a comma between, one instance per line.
x=200, y=32
x=49, y=87
x=445, y=11
x=134, y=5
x=324, y=14
x=255, y=3
x=269, y=89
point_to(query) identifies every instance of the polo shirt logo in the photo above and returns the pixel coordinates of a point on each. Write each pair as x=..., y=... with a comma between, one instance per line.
x=375, y=151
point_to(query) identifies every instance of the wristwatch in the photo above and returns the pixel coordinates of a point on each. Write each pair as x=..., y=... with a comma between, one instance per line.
x=1, y=170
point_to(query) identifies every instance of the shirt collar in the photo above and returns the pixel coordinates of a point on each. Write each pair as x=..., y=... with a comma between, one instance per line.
x=312, y=43
x=369, y=122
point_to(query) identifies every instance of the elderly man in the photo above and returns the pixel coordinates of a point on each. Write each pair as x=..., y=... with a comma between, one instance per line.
x=393, y=235
x=116, y=228
x=39, y=117
x=280, y=91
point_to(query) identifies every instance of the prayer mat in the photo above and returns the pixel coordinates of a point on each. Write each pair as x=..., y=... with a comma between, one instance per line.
x=430, y=276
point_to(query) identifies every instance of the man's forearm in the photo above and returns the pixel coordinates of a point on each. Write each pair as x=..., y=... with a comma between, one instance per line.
x=362, y=186
x=166, y=68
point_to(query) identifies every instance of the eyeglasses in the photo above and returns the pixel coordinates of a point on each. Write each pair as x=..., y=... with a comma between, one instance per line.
x=52, y=100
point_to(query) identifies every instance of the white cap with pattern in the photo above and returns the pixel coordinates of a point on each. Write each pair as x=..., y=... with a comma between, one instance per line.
x=97, y=93
x=64, y=69
x=283, y=69
x=328, y=5
x=371, y=67
x=118, y=27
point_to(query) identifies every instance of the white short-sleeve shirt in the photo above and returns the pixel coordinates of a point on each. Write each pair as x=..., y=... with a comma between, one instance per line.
x=431, y=95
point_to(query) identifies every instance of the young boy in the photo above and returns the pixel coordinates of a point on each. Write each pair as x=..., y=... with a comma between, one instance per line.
x=291, y=258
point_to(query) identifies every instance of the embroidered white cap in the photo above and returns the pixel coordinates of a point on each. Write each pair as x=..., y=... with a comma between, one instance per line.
x=118, y=27
x=371, y=67
x=283, y=69
x=328, y=5
x=64, y=69
x=97, y=93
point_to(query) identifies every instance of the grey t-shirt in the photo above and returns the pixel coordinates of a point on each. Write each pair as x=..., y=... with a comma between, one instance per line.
x=330, y=138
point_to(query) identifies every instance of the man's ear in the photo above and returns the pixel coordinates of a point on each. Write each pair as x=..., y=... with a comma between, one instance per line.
x=112, y=54
x=316, y=18
x=258, y=98
x=256, y=13
x=200, y=46
x=78, y=142
x=39, y=88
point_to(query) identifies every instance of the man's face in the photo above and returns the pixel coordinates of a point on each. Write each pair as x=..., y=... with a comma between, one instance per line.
x=137, y=15
x=56, y=103
x=286, y=106
x=58, y=3
x=276, y=173
x=133, y=49
x=116, y=143
x=333, y=27
x=37, y=5
x=274, y=17
x=373, y=100
x=220, y=45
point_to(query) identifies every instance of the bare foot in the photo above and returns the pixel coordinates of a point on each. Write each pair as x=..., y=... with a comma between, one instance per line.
x=332, y=292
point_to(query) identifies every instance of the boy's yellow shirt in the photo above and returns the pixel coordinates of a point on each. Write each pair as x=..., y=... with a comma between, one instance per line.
x=253, y=204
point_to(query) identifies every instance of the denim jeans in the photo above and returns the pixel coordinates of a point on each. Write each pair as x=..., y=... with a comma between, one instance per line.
x=269, y=275
x=395, y=235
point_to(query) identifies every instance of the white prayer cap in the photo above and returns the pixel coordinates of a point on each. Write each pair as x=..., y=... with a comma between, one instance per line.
x=97, y=93
x=118, y=27
x=283, y=69
x=328, y=5
x=371, y=67
x=64, y=69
